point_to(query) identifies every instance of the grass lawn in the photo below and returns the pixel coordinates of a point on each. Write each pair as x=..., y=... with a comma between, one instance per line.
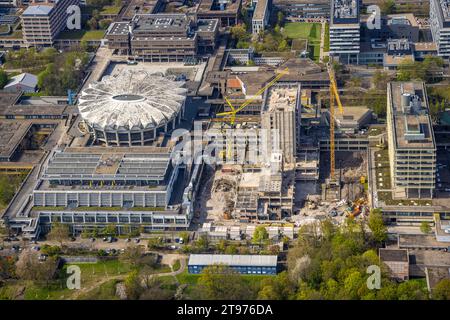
x=302, y=30
x=305, y=30
x=106, y=291
x=111, y=10
x=107, y=268
x=82, y=35
x=326, y=47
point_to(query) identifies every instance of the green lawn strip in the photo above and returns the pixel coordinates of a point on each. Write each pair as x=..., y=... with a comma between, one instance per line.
x=106, y=291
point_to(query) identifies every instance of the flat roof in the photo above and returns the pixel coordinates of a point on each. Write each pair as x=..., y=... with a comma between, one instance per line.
x=435, y=274
x=38, y=10
x=212, y=7
x=160, y=22
x=344, y=11
x=233, y=260
x=412, y=124
x=11, y=134
x=145, y=163
x=260, y=10
x=402, y=19
x=398, y=255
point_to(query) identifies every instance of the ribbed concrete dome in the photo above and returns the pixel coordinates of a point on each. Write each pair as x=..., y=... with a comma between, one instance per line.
x=132, y=100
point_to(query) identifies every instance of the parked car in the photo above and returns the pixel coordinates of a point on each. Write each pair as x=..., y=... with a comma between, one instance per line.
x=36, y=248
x=92, y=239
x=447, y=230
x=73, y=239
x=42, y=257
x=137, y=240
x=127, y=240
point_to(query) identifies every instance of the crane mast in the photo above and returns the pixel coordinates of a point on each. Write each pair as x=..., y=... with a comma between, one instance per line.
x=334, y=97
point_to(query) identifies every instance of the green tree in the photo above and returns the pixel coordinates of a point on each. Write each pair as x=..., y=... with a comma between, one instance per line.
x=185, y=236
x=425, y=227
x=3, y=78
x=104, y=23
x=92, y=24
x=132, y=255
x=412, y=290
x=283, y=46
x=387, y=6
x=133, y=287
x=280, y=18
x=260, y=235
x=60, y=232
x=155, y=243
x=28, y=267
x=377, y=226
x=239, y=32
x=203, y=242
x=220, y=282
x=442, y=290
x=110, y=230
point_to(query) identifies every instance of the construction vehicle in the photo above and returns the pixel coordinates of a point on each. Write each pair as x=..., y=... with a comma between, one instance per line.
x=358, y=206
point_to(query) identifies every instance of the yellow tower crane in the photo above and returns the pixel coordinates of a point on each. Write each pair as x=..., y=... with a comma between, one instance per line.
x=334, y=97
x=234, y=111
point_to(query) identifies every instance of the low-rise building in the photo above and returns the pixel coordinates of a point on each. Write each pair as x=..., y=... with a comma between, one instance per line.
x=397, y=262
x=304, y=8
x=244, y=264
x=24, y=82
x=226, y=11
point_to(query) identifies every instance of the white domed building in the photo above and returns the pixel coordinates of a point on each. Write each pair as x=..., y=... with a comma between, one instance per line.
x=132, y=108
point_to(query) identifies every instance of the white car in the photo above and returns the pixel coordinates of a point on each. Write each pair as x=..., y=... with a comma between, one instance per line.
x=447, y=230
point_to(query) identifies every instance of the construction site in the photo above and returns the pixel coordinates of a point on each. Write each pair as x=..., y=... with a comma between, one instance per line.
x=321, y=170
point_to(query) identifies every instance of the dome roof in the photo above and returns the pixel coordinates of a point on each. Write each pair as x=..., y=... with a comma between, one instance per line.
x=132, y=99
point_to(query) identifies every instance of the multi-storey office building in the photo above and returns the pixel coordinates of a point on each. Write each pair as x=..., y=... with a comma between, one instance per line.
x=163, y=37
x=440, y=25
x=304, y=8
x=412, y=147
x=260, y=16
x=42, y=23
x=345, y=30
